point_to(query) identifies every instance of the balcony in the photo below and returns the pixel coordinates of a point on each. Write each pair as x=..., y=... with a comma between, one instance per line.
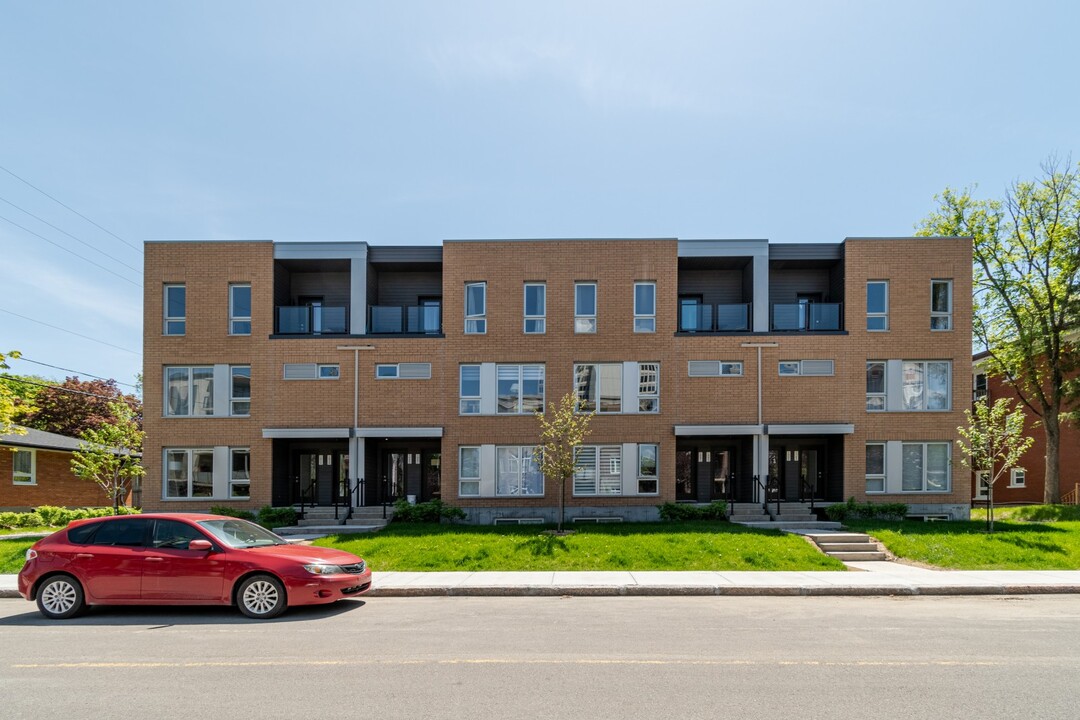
x=807, y=317
x=729, y=317
x=405, y=319
x=311, y=320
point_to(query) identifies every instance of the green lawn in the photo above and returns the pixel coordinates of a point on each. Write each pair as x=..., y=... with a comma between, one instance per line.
x=1030, y=513
x=967, y=546
x=629, y=546
x=35, y=529
x=13, y=554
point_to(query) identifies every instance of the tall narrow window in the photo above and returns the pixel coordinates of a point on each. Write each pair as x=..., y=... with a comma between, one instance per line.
x=877, y=305
x=875, y=467
x=649, y=387
x=469, y=471
x=175, y=310
x=240, y=478
x=941, y=304
x=24, y=467
x=469, y=398
x=648, y=459
x=585, y=307
x=645, y=307
x=535, y=308
x=475, y=308
x=240, y=394
x=239, y=309
x=875, y=385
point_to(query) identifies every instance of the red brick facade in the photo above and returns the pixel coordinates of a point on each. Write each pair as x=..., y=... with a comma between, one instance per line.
x=54, y=484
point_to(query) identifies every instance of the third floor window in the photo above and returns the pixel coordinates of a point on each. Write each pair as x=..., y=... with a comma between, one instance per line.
x=585, y=307
x=475, y=308
x=645, y=307
x=941, y=304
x=535, y=308
x=240, y=309
x=877, y=305
x=175, y=310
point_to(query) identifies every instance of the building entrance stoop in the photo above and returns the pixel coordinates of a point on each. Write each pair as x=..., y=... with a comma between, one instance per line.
x=785, y=516
x=848, y=546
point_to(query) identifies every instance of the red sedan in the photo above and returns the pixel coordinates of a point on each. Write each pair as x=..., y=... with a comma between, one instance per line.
x=183, y=559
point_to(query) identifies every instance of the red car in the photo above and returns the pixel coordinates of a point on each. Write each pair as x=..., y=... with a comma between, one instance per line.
x=183, y=559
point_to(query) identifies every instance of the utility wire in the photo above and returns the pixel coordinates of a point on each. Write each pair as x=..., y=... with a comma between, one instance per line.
x=92, y=247
x=57, y=387
x=25, y=182
x=84, y=259
x=70, y=332
x=84, y=374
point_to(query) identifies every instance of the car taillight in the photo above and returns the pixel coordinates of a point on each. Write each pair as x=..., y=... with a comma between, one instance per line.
x=31, y=553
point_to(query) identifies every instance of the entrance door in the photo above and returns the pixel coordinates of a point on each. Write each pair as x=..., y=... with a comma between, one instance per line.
x=810, y=471
x=684, y=475
x=721, y=473
x=394, y=475
x=317, y=477
x=431, y=476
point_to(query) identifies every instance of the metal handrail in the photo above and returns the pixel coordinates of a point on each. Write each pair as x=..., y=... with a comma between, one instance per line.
x=303, y=496
x=770, y=485
x=804, y=486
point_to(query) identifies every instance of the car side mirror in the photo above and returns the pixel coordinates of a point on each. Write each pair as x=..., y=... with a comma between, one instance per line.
x=203, y=545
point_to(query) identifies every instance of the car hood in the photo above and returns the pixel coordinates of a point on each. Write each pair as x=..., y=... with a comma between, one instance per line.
x=306, y=554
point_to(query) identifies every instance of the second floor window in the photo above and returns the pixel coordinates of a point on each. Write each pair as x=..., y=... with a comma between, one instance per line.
x=535, y=308
x=469, y=402
x=877, y=305
x=645, y=307
x=926, y=384
x=475, y=308
x=175, y=310
x=240, y=394
x=649, y=387
x=189, y=391
x=521, y=389
x=941, y=304
x=585, y=307
x=239, y=309
x=599, y=387
x=875, y=385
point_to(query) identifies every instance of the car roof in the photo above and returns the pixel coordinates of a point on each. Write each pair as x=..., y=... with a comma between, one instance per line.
x=162, y=516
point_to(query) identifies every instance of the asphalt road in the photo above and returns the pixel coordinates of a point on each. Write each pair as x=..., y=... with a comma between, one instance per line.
x=479, y=658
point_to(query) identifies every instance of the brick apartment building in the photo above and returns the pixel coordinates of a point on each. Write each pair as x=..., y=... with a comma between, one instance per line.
x=279, y=373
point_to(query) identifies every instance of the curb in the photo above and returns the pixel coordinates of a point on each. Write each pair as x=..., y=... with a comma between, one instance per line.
x=723, y=591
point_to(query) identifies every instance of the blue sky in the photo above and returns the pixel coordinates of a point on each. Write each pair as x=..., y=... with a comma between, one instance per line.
x=403, y=123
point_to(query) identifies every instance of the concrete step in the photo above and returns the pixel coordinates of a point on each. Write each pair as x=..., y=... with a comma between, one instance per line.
x=796, y=517
x=789, y=525
x=858, y=556
x=848, y=547
x=840, y=537
x=367, y=522
x=319, y=522
x=759, y=517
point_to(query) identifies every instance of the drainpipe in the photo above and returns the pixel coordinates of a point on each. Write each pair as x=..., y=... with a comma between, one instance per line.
x=354, y=447
x=760, y=457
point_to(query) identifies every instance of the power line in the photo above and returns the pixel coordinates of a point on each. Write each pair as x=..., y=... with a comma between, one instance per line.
x=92, y=247
x=84, y=259
x=57, y=387
x=27, y=183
x=84, y=374
x=71, y=332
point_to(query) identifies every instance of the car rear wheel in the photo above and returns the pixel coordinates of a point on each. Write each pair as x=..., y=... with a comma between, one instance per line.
x=60, y=597
x=261, y=597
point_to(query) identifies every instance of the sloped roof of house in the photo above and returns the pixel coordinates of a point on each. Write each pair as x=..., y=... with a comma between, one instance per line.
x=42, y=440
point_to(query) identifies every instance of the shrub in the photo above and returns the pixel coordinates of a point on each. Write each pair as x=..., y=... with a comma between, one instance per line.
x=716, y=510
x=432, y=511
x=233, y=512
x=272, y=517
x=53, y=516
x=12, y=520
x=852, y=510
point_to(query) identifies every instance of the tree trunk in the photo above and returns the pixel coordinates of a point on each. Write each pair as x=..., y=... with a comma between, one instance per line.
x=1052, y=483
x=562, y=502
x=116, y=493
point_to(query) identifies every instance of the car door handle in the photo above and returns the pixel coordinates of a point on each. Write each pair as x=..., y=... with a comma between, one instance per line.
x=154, y=559
x=83, y=556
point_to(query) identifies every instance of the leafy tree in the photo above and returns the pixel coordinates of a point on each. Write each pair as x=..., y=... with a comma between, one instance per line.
x=1026, y=291
x=8, y=399
x=108, y=456
x=77, y=405
x=993, y=442
x=560, y=435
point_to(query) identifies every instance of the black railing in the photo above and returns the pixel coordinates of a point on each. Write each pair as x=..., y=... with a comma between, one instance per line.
x=354, y=493
x=302, y=495
x=405, y=319
x=770, y=492
x=310, y=320
x=808, y=490
x=715, y=318
x=729, y=495
x=807, y=317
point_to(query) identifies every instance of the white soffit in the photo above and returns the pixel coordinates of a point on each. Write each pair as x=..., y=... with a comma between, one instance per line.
x=305, y=433
x=719, y=429
x=811, y=429
x=399, y=432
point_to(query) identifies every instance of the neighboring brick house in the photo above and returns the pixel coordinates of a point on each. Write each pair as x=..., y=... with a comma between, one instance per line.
x=1024, y=484
x=336, y=372
x=35, y=469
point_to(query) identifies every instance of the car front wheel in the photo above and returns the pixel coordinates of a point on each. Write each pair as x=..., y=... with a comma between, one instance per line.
x=261, y=597
x=60, y=597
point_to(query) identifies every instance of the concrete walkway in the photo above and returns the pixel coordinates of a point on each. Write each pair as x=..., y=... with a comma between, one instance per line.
x=877, y=578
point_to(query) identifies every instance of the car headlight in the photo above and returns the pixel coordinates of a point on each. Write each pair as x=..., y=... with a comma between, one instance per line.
x=321, y=569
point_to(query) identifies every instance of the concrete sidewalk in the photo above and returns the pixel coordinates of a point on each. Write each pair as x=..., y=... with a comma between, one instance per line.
x=877, y=578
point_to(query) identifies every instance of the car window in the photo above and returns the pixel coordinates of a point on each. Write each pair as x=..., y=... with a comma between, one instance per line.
x=174, y=534
x=240, y=533
x=129, y=532
x=81, y=534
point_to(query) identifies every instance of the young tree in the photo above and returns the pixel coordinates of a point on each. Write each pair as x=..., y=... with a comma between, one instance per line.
x=8, y=400
x=1027, y=291
x=75, y=406
x=993, y=442
x=562, y=430
x=108, y=455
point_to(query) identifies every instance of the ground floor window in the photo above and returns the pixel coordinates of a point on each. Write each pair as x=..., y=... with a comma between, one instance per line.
x=469, y=472
x=599, y=470
x=189, y=473
x=1018, y=477
x=925, y=467
x=517, y=472
x=648, y=459
x=875, y=467
x=240, y=478
x=24, y=463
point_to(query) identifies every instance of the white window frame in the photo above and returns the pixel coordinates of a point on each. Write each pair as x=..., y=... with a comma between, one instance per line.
x=234, y=319
x=799, y=368
x=233, y=398
x=923, y=489
x=234, y=481
x=476, y=323
x=515, y=487
x=884, y=394
x=789, y=363
x=645, y=322
x=520, y=404
x=580, y=406
x=649, y=387
x=380, y=375
x=875, y=477
x=642, y=476
x=723, y=368
x=189, y=460
x=190, y=390
x=585, y=323
x=328, y=371
x=535, y=324
x=166, y=318
x=22, y=478
x=597, y=451
x=875, y=315
x=924, y=396
x=1018, y=478
x=982, y=484
x=946, y=314
x=462, y=478
x=468, y=404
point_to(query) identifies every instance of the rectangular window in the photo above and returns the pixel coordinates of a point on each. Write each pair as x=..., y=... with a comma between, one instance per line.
x=240, y=399
x=789, y=367
x=189, y=391
x=386, y=371
x=714, y=368
x=475, y=308
x=239, y=309
x=941, y=304
x=469, y=472
x=240, y=478
x=520, y=389
x=189, y=473
x=979, y=387
x=585, y=307
x=24, y=464
x=599, y=470
x=926, y=384
x=982, y=484
x=516, y=472
x=599, y=387
x=403, y=371
x=645, y=307
x=648, y=459
x=535, y=308
x=809, y=368
x=1018, y=477
x=875, y=385
x=875, y=467
x=175, y=310
x=877, y=305
x=925, y=467
x=469, y=403
x=329, y=372
x=649, y=387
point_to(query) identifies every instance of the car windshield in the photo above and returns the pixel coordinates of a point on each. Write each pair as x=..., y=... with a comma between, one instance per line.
x=240, y=533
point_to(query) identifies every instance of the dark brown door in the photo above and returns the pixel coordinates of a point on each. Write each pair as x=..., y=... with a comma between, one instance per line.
x=431, y=475
x=684, y=475
x=721, y=472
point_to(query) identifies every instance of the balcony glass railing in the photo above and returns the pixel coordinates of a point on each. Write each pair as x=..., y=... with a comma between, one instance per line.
x=405, y=319
x=695, y=317
x=807, y=317
x=311, y=320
